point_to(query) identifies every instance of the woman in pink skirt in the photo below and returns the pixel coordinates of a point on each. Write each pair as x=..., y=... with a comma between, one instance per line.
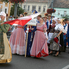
x=39, y=47
x=17, y=41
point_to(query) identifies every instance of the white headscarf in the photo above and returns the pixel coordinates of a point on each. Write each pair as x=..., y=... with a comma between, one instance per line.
x=55, y=19
x=3, y=14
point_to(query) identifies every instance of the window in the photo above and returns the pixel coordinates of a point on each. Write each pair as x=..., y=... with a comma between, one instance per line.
x=5, y=10
x=28, y=7
x=58, y=12
x=39, y=8
x=24, y=6
x=33, y=8
x=65, y=12
x=44, y=8
x=20, y=5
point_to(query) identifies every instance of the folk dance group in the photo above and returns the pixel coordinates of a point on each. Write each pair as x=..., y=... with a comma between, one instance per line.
x=49, y=33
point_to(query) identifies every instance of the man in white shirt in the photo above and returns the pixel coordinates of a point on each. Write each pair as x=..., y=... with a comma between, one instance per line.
x=65, y=34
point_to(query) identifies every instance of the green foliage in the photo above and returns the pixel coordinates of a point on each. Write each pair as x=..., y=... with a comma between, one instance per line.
x=16, y=1
x=67, y=17
x=5, y=0
x=12, y=10
x=19, y=10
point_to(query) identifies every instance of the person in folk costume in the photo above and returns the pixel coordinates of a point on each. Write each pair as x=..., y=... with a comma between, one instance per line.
x=51, y=28
x=45, y=19
x=31, y=34
x=38, y=18
x=67, y=21
x=13, y=27
x=65, y=34
x=49, y=22
x=5, y=49
x=39, y=46
x=61, y=37
x=17, y=40
x=56, y=39
x=51, y=32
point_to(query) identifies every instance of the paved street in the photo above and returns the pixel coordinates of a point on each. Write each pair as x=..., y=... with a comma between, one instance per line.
x=50, y=62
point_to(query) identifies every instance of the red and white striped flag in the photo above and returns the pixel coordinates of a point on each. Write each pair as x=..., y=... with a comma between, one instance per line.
x=22, y=20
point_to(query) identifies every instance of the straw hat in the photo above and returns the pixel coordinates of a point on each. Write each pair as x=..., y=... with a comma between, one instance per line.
x=49, y=15
x=44, y=16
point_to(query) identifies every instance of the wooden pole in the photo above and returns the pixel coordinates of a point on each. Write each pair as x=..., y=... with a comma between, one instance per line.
x=26, y=41
x=9, y=9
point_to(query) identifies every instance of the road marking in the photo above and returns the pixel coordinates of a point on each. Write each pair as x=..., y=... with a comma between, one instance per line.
x=66, y=67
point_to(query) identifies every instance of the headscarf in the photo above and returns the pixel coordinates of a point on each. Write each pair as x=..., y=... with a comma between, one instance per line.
x=3, y=14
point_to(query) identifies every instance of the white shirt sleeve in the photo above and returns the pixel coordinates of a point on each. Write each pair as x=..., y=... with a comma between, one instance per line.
x=56, y=28
x=46, y=35
x=61, y=28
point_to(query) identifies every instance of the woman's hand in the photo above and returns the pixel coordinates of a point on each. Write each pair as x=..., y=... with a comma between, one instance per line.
x=59, y=33
x=45, y=30
x=32, y=28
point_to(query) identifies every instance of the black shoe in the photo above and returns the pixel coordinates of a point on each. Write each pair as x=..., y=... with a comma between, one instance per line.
x=56, y=55
x=28, y=56
x=50, y=53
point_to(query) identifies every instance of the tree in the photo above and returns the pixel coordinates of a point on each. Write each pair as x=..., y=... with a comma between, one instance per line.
x=19, y=10
x=16, y=1
x=13, y=1
x=16, y=4
x=5, y=0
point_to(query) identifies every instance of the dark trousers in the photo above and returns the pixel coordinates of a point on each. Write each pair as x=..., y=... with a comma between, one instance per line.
x=65, y=40
x=68, y=41
x=62, y=43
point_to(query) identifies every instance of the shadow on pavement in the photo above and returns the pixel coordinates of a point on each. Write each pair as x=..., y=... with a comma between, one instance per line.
x=5, y=65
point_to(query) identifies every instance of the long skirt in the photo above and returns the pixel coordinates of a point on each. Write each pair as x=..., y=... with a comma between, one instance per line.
x=49, y=37
x=61, y=42
x=29, y=44
x=7, y=56
x=53, y=45
x=39, y=47
x=17, y=41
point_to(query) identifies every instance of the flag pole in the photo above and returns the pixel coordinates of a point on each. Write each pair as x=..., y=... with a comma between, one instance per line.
x=26, y=41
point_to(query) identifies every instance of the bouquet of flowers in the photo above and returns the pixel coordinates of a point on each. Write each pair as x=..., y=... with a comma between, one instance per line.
x=56, y=40
x=50, y=11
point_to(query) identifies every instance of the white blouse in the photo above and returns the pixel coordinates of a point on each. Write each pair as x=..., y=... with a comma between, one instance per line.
x=59, y=27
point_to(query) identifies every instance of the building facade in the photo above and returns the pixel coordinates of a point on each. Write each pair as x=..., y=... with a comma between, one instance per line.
x=38, y=5
x=5, y=7
x=61, y=12
x=61, y=7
